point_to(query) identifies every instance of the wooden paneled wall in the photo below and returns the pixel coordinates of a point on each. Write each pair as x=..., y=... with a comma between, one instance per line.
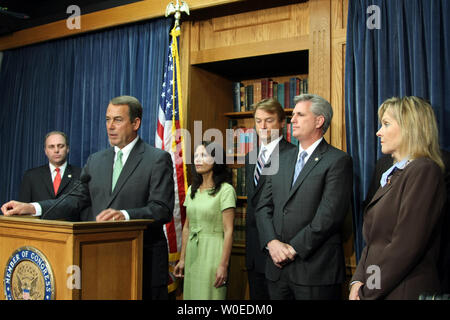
x=266, y=31
x=339, y=9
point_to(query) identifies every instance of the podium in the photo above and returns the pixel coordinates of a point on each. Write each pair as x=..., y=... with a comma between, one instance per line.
x=48, y=259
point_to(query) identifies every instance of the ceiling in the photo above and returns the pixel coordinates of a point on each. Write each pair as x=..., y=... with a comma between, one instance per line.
x=46, y=11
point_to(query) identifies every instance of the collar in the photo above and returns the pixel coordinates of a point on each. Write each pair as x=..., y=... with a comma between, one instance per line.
x=62, y=168
x=398, y=165
x=125, y=150
x=270, y=147
x=309, y=150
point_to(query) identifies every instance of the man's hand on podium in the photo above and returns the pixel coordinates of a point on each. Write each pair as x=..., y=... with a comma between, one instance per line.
x=16, y=208
x=110, y=215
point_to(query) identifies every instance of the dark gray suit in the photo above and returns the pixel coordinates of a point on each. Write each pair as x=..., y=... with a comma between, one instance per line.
x=255, y=259
x=145, y=189
x=37, y=183
x=309, y=216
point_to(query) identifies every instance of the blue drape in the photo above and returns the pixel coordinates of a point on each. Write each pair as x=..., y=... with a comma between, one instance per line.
x=408, y=55
x=66, y=85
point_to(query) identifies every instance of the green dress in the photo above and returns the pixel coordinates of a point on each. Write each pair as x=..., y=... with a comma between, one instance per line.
x=205, y=243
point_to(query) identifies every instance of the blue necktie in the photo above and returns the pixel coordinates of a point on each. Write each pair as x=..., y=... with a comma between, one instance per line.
x=299, y=165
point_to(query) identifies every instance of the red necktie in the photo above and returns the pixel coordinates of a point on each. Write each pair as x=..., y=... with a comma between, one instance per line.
x=57, y=181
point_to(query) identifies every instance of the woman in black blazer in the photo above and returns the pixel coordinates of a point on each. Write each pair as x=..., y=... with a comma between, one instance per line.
x=401, y=226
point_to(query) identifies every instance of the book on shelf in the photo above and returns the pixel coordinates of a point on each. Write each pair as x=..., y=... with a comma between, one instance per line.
x=239, y=224
x=236, y=96
x=287, y=104
x=293, y=89
x=274, y=90
x=257, y=92
x=248, y=92
x=242, y=90
x=287, y=133
x=246, y=138
x=280, y=94
x=249, y=97
x=238, y=181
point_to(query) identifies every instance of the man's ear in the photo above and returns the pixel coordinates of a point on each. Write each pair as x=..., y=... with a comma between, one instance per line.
x=320, y=120
x=136, y=123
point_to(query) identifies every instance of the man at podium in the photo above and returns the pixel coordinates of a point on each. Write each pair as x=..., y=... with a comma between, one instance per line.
x=131, y=180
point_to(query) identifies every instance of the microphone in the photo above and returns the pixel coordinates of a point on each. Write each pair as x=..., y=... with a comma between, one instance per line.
x=85, y=178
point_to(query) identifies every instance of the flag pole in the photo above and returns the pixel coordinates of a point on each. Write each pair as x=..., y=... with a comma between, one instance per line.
x=176, y=103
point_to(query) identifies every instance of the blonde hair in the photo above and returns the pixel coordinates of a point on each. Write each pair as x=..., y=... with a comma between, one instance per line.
x=418, y=126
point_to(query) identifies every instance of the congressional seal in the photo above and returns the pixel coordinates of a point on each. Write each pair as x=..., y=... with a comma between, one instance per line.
x=28, y=276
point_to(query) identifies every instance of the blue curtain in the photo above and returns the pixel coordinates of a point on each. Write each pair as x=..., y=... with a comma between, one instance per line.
x=407, y=55
x=66, y=85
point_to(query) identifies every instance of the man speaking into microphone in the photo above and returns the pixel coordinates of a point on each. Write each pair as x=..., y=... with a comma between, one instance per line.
x=130, y=180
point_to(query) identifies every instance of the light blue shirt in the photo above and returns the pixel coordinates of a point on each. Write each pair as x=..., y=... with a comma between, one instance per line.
x=398, y=165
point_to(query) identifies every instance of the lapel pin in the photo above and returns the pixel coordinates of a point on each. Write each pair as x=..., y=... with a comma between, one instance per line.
x=316, y=159
x=70, y=176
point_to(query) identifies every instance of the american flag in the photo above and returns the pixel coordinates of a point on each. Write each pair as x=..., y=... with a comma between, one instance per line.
x=168, y=138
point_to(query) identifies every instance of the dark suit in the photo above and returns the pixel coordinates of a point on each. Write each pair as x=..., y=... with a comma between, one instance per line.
x=255, y=259
x=37, y=183
x=402, y=234
x=145, y=189
x=309, y=216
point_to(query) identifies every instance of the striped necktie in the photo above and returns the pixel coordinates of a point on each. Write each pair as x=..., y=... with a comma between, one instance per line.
x=117, y=168
x=299, y=165
x=259, y=165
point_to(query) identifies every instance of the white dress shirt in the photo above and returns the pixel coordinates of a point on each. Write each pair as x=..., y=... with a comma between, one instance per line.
x=309, y=151
x=125, y=153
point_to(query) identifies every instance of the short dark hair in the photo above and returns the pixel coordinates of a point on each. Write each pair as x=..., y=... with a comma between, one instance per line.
x=134, y=106
x=56, y=132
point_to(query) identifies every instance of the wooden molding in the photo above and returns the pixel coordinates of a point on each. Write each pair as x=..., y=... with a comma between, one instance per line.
x=250, y=50
x=134, y=12
x=320, y=53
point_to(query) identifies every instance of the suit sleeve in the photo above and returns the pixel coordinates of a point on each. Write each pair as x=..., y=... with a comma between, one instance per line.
x=25, y=188
x=72, y=206
x=332, y=209
x=359, y=274
x=264, y=214
x=421, y=206
x=160, y=201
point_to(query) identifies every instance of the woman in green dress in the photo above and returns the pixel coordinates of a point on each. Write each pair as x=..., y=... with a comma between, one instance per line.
x=208, y=231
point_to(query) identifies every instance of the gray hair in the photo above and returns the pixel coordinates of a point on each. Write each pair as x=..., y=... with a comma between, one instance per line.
x=319, y=106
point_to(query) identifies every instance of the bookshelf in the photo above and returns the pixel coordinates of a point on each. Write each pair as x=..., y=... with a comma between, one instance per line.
x=277, y=41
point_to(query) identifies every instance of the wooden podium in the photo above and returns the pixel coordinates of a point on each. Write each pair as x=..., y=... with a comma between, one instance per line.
x=88, y=260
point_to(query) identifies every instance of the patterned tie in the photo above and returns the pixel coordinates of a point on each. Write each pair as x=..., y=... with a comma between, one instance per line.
x=259, y=165
x=117, y=168
x=299, y=165
x=57, y=181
